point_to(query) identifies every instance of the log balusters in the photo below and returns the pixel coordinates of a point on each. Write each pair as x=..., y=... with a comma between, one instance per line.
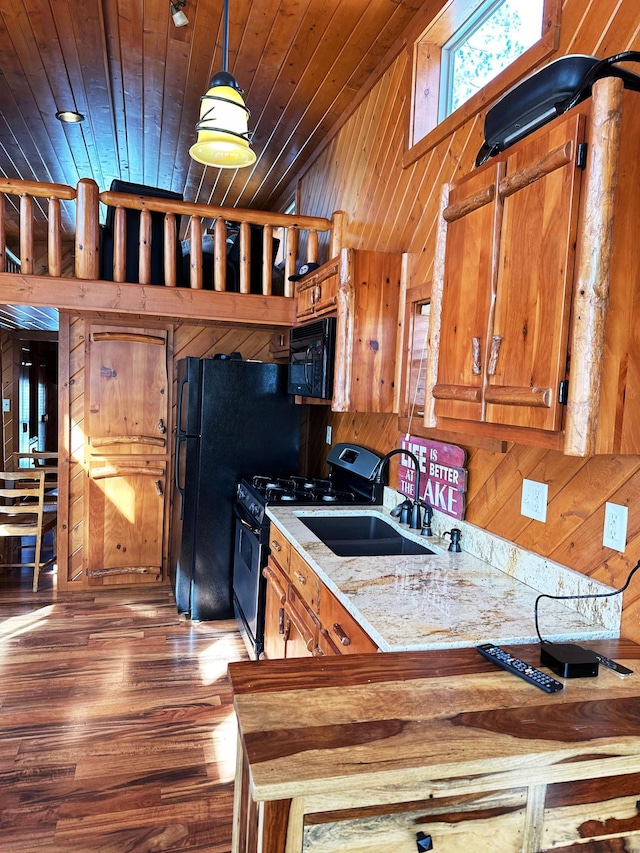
x=295, y=233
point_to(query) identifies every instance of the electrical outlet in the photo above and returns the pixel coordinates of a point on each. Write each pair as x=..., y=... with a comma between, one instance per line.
x=534, y=500
x=615, y=526
x=328, y=435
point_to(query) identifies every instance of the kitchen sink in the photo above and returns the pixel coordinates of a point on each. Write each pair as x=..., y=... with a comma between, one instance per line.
x=361, y=536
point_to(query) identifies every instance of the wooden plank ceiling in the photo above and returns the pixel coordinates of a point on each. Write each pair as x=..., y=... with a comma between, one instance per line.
x=138, y=80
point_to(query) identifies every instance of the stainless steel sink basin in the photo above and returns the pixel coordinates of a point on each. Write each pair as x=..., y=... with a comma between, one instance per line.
x=361, y=536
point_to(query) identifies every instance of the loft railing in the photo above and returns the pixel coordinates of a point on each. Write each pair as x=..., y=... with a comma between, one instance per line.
x=300, y=232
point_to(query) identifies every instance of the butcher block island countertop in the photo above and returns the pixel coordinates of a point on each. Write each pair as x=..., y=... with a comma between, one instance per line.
x=396, y=752
x=447, y=600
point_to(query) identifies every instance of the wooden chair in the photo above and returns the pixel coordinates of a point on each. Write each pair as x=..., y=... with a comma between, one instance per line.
x=43, y=460
x=23, y=512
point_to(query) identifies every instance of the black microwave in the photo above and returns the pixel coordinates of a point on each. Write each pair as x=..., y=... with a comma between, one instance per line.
x=311, y=357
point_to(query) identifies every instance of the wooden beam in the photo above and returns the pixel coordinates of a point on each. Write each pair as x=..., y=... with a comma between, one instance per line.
x=172, y=303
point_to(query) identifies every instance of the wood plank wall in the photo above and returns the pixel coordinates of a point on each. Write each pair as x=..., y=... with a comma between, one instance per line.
x=392, y=209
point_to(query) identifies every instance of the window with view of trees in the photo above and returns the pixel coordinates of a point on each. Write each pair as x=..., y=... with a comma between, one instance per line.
x=472, y=52
x=499, y=32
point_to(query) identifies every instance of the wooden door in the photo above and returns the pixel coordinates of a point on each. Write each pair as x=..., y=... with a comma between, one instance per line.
x=126, y=416
x=127, y=391
x=126, y=520
x=473, y=216
x=540, y=193
x=274, y=615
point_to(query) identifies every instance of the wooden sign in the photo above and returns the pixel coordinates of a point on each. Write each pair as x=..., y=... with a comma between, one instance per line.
x=443, y=477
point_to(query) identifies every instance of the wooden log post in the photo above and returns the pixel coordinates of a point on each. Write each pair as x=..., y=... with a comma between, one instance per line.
x=170, y=271
x=120, y=244
x=220, y=254
x=87, y=229
x=312, y=247
x=26, y=234
x=592, y=268
x=267, y=263
x=144, y=242
x=195, y=250
x=245, y=257
x=338, y=228
x=54, y=238
x=293, y=237
x=433, y=337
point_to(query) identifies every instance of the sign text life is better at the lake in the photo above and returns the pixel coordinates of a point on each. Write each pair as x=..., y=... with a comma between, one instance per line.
x=443, y=477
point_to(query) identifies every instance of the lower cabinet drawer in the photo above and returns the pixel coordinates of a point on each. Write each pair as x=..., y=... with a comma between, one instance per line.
x=279, y=547
x=604, y=811
x=497, y=830
x=340, y=630
x=304, y=580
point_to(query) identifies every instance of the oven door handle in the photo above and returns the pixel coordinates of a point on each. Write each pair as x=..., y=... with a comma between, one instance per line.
x=255, y=530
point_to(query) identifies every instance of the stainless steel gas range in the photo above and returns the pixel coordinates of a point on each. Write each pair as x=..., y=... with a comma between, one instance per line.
x=351, y=480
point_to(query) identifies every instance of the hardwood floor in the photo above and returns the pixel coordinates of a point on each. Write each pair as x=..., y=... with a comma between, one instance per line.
x=117, y=731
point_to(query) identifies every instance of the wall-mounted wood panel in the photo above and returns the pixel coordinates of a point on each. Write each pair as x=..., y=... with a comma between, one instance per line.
x=392, y=209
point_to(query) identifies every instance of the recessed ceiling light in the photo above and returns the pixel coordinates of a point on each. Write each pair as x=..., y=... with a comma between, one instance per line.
x=70, y=116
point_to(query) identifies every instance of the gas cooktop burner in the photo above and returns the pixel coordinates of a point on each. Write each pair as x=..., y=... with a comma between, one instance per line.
x=296, y=489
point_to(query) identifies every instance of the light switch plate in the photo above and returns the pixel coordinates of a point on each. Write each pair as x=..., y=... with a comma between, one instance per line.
x=615, y=526
x=6, y=404
x=534, y=500
x=328, y=435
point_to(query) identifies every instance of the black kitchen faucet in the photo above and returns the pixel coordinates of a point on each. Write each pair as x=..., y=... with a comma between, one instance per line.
x=408, y=506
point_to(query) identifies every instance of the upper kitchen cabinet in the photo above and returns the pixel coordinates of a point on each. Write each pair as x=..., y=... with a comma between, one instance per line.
x=367, y=328
x=318, y=293
x=507, y=275
x=362, y=290
x=529, y=335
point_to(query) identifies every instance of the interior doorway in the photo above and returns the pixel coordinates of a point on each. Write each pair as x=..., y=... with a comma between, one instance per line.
x=30, y=393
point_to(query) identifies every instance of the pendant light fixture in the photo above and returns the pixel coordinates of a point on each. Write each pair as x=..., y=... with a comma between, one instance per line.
x=223, y=136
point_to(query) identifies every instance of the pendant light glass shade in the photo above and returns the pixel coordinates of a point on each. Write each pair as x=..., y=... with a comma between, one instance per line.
x=223, y=135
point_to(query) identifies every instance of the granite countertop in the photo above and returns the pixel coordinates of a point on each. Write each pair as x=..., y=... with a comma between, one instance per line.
x=452, y=600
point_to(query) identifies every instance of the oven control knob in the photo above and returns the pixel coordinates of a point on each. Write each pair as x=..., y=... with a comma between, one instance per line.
x=254, y=509
x=241, y=492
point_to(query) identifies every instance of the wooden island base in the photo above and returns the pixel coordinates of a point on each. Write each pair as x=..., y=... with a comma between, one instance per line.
x=380, y=752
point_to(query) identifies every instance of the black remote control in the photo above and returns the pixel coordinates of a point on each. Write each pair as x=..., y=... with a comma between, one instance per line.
x=614, y=666
x=518, y=667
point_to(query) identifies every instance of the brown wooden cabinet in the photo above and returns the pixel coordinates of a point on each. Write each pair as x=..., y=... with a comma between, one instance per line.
x=362, y=289
x=317, y=293
x=507, y=283
x=529, y=330
x=339, y=632
x=395, y=749
x=127, y=454
x=302, y=616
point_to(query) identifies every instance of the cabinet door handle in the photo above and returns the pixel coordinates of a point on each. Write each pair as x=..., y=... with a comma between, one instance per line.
x=424, y=842
x=318, y=290
x=300, y=578
x=496, y=341
x=341, y=634
x=272, y=579
x=281, y=620
x=275, y=546
x=475, y=353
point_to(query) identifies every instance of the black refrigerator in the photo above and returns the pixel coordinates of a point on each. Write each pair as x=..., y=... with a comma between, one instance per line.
x=235, y=419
